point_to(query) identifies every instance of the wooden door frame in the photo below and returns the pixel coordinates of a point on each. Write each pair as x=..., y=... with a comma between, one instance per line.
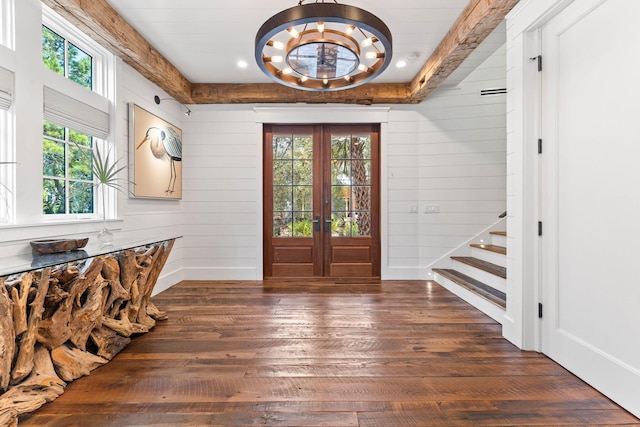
x=319, y=132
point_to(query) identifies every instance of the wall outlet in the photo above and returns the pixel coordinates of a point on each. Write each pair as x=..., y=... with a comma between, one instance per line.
x=431, y=209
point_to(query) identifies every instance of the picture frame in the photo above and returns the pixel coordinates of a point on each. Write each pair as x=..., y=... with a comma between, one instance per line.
x=155, y=156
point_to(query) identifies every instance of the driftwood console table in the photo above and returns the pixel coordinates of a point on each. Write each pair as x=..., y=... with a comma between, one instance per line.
x=63, y=315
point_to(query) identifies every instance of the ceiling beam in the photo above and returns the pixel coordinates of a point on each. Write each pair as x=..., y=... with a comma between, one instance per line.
x=382, y=93
x=102, y=23
x=474, y=24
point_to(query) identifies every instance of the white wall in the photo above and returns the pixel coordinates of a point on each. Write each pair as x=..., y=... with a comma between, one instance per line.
x=453, y=157
x=448, y=151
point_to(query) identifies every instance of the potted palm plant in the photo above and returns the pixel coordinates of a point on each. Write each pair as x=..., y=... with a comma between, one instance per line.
x=105, y=172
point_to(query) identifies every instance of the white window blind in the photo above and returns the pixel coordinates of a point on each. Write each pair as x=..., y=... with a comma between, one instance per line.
x=66, y=111
x=6, y=88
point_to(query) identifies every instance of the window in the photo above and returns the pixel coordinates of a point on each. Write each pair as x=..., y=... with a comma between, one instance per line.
x=7, y=23
x=75, y=121
x=7, y=168
x=68, y=178
x=7, y=154
x=65, y=58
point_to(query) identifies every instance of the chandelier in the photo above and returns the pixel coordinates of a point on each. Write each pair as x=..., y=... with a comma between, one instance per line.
x=323, y=46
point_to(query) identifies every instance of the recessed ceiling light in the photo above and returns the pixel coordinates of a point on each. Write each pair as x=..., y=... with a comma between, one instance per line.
x=242, y=64
x=401, y=64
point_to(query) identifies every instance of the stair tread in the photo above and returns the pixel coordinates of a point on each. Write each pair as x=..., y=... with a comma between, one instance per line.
x=498, y=233
x=487, y=292
x=492, y=248
x=483, y=265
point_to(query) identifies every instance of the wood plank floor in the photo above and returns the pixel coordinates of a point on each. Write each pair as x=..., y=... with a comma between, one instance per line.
x=318, y=353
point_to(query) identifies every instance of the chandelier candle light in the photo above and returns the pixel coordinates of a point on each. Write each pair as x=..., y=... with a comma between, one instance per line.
x=323, y=46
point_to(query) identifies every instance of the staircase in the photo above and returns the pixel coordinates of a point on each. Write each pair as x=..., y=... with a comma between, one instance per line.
x=478, y=274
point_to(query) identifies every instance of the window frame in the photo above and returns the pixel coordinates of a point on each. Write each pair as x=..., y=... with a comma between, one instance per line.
x=68, y=145
x=104, y=85
x=7, y=24
x=7, y=123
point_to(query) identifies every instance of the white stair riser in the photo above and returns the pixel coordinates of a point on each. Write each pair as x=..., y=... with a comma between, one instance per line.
x=489, y=256
x=492, y=280
x=488, y=308
x=499, y=240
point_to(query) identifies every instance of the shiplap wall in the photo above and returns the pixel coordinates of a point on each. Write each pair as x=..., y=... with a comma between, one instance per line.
x=453, y=157
x=221, y=182
x=149, y=218
x=448, y=151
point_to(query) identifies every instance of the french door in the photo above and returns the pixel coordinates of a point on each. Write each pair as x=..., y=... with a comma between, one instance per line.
x=321, y=201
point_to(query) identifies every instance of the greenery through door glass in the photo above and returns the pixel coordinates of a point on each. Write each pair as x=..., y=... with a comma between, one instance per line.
x=66, y=59
x=292, y=185
x=351, y=185
x=67, y=186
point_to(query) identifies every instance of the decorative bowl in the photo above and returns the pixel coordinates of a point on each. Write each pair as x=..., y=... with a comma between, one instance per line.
x=52, y=246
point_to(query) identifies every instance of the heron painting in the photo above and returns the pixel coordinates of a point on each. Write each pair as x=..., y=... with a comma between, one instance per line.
x=157, y=155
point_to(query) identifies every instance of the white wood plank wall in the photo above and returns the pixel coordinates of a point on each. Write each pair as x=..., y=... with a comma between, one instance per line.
x=448, y=151
x=457, y=163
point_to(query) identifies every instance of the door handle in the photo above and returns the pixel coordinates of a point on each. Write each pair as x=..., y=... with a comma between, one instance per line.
x=327, y=224
x=316, y=224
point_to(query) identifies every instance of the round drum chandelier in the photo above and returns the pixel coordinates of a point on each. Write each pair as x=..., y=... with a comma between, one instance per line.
x=323, y=46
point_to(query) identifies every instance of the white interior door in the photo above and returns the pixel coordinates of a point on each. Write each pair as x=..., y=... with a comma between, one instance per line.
x=591, y=195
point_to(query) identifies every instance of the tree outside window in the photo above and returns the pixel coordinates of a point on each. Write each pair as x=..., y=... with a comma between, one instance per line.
x=65, y=58
x=67, y=154
x=68, y=178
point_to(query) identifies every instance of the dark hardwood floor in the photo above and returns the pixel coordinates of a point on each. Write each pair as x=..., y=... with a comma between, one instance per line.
x=319, y=353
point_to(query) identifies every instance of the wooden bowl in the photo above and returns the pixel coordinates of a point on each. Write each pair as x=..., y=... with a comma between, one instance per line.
x=53, y=246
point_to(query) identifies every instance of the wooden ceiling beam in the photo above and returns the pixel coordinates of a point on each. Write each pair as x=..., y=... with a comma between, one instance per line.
x=474, y=24
x=382, y=93
x=101, y=22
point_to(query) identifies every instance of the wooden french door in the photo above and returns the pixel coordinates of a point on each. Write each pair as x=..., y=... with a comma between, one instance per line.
x=321, y=201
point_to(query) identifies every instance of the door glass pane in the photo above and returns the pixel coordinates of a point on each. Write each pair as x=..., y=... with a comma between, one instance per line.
x=282, y=224
x=361, y=172
x=282, y=198
x=340, y=172
x=303, y=147
x=343, y=225
x=302, y=225
x=302, y=198
x=361, y=197
x=282, y=172
x=292, y=185
x=303, y=172
x=361, y=146
x=340, y=199
x=340, y=146
x=282, y=147
x=351, y=185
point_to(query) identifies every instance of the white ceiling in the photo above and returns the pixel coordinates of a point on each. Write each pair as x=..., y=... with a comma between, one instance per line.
x=205, y=39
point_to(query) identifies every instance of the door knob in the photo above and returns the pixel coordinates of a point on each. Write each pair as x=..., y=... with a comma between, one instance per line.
x=316, y=224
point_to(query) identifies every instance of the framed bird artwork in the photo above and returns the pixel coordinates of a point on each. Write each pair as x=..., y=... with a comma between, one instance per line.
x=155, y=149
